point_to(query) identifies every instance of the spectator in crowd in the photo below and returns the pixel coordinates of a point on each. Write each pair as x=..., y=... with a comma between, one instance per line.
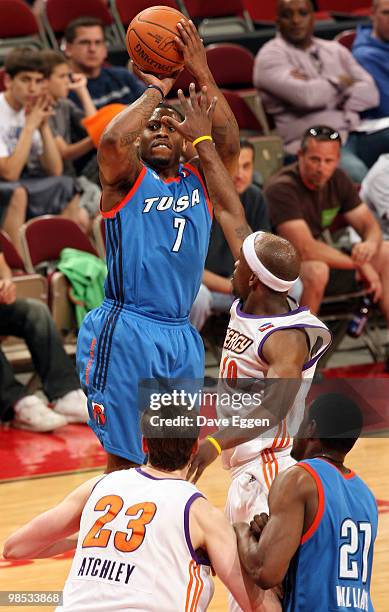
x=215, y=294
x=67, y=127
x=371, y=50
x=306, y=81
x=375, y=192
x=30, y=163
x=30, y=319
x=87, y=51
x=304, y=199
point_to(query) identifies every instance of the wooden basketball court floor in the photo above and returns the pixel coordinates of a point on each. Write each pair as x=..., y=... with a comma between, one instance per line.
x=23, y=498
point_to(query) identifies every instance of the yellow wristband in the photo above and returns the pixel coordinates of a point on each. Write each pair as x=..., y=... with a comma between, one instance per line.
x=201, y=138
x=216, y=444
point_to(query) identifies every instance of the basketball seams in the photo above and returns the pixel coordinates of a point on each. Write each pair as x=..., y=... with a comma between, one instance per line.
x=159, y=25
x=151, y=43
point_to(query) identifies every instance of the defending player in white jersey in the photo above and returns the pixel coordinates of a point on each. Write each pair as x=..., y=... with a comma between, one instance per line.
x=147, y=537
x=267, y=337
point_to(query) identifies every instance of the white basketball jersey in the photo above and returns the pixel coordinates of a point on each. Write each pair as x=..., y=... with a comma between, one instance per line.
x=242, y=357
x=134, y=550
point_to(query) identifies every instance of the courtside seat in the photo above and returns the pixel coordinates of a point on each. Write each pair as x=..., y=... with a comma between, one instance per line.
x=43, y=239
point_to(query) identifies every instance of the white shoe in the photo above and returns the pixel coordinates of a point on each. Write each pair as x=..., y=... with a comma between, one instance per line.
x=73, y=406
x=32, y=414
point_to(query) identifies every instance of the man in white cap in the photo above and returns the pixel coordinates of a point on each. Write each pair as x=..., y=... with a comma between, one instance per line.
x=268, y=337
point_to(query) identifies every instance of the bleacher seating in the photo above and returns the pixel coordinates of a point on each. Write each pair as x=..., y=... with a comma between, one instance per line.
x=346, y=38
x=18, y=27
x=124, y=11
x=57, y=14
x=219, y=16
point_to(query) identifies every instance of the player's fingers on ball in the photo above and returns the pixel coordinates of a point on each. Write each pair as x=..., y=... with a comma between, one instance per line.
x=182, y=31
x=192, y=29
x=179, y=43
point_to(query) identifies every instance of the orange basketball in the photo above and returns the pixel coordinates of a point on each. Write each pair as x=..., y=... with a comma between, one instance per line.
x=150, y=40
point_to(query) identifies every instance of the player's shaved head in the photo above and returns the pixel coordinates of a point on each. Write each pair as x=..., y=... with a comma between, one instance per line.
x=278, y=255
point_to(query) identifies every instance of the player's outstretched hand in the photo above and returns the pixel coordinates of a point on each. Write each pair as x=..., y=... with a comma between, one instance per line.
x=258, y=524
x=192, y=48
x=205, y=455
x=164, y=82
x=198, y=115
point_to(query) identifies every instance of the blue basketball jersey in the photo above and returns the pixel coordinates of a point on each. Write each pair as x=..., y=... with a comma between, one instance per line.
x=157, y=241
x=331, y=569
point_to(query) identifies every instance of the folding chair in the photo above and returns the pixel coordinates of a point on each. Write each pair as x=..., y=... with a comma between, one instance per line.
x=269, y=150
x=346, y=38
x=57, y=14
x=19, y=27
x=220, y=17
x=232, y=67
x=338, y=310
x=43, y=239
x=345, y=8
x=124, y=12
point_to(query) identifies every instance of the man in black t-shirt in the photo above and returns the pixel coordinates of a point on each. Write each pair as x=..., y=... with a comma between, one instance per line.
x=215, y=293
x=305, y=198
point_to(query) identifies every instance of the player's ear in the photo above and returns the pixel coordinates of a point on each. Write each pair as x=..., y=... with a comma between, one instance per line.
x=145, y=446
x=137, y=142
x=253, y=281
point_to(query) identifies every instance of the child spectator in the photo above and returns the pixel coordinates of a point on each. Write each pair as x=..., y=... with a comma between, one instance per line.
x=71, y=138
x=30, y=162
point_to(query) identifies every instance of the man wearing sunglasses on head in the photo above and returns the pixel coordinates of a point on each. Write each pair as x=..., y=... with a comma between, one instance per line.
x=304, y=200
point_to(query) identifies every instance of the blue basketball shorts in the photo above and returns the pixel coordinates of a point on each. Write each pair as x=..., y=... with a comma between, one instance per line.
x=119, y=346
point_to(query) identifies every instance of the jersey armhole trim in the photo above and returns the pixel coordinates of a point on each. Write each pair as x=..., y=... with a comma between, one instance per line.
x=199, y=560
x=194, y=171
x=109, y=214
x=302, y=326
x=320, y=502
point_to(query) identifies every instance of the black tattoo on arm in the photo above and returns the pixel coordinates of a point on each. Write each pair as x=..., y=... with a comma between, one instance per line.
x=242, y=231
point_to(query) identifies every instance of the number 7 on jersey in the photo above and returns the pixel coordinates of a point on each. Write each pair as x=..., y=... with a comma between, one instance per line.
x=178, y=224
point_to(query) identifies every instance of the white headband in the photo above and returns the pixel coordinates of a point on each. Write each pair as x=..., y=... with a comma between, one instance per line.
x=256, y=266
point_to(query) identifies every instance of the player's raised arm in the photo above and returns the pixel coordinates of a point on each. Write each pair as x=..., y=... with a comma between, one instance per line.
x=48, y=533
x=227, y=206
x=225, y=131
x=117, y=153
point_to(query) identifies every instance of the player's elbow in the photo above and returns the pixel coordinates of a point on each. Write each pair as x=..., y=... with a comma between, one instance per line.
x=267, y=578
x=109, y=141
x=11, y=550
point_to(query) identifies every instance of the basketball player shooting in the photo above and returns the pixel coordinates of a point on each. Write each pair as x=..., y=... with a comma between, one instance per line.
x=158, y=219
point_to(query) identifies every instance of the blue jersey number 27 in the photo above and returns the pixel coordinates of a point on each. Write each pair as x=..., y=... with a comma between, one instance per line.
x=357, y=536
